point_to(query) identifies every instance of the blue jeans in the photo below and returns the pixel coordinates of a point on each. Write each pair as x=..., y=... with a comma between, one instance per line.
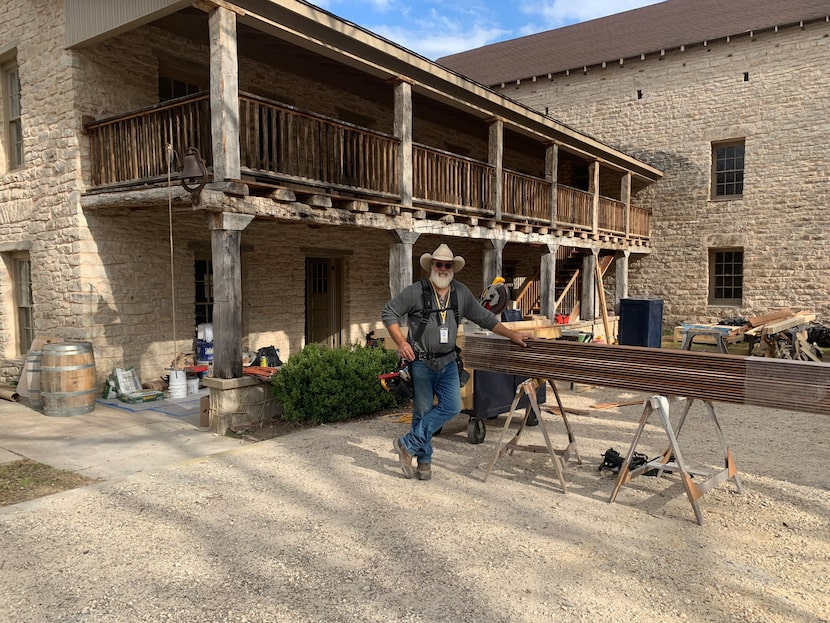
x=427, y=415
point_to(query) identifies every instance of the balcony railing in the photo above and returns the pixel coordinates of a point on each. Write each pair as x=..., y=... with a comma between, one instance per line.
x=444, y=179
x=281, y=143
x=526, y=197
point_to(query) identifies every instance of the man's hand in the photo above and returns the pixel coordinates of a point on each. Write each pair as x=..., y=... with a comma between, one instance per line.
x=513, y=336
x=406, y=352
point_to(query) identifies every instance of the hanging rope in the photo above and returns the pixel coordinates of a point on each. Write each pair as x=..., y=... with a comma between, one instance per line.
x=170, y=155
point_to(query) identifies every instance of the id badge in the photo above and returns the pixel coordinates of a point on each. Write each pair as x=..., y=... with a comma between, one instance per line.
x=445, y=335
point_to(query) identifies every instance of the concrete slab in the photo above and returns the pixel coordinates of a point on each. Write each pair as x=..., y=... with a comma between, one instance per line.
x=110, y=442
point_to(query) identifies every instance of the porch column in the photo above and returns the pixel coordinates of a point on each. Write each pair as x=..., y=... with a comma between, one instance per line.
x=587, y=302
x=547, y=282
x=593, y=188
x=621, y=291
x=400, y=261
x=403, y=131
x=226, y=232
x=224, y=95
x=495, y=160
x=625, y=196
x=552, y=174
x=492, y=261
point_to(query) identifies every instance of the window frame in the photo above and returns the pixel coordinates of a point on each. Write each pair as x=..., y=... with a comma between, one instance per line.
x=24, y=307
x=719, y=168
x=12, y=94
x=717, y=257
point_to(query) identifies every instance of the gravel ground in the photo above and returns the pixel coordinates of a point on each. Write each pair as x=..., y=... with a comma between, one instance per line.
x=320, y=525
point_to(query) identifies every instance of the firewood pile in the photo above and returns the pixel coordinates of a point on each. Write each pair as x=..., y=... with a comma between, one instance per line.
x=783, y=335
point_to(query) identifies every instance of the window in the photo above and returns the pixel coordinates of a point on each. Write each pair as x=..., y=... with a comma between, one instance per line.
x=728, y=170
x=24, y=308
x=171, y=88
x=12, y=112
x=204, y=291
x=726, y=276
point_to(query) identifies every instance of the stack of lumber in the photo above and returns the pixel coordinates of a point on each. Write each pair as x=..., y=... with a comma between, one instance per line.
x=782, y=335
x=793, y=385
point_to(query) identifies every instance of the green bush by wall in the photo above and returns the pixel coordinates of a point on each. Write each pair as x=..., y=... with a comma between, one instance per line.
x=321, y=384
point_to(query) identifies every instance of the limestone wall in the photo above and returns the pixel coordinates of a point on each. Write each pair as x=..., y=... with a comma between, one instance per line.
x=770, y=89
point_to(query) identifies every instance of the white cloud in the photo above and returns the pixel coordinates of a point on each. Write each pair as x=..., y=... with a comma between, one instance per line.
x=437, y=43
x=444, y=30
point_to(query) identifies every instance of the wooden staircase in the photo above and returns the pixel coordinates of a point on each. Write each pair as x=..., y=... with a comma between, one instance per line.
x=568, y=286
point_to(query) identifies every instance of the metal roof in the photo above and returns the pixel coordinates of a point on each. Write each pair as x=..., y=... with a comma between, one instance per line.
x=663, y=26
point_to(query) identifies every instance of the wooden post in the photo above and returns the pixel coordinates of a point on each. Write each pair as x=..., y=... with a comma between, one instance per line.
x=226, y=233
x=609, y=339
x=400, y=261
x=625, y=195
x=403, y=131
x=587, y=305
x=621, y=289
x=496, y=160
x=593, y=188
x=224, y=95
x=547, y=282
x=552, y=174
x=492, y=262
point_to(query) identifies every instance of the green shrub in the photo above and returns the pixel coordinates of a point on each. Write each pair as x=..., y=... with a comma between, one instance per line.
x=321, y=384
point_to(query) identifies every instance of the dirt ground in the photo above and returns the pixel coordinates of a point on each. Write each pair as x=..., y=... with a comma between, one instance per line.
x=319, y=525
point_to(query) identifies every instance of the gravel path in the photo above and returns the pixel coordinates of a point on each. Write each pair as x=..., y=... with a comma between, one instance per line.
x=321, y=526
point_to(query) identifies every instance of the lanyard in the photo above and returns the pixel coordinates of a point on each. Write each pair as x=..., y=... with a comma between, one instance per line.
x=442, y=307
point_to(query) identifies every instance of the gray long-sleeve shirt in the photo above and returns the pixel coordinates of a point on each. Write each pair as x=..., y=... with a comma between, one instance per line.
x=406, y=309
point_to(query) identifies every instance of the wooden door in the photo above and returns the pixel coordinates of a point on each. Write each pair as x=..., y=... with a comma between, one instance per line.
x=324, y=288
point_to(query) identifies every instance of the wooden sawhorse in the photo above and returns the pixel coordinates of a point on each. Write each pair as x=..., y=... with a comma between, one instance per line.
x=672, y=459
x=691, y=334
x=558, y=457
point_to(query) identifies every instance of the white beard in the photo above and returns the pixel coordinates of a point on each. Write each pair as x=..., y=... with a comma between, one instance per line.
x=441, y=281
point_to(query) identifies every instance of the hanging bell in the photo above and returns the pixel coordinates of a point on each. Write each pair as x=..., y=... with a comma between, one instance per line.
x=193, y=174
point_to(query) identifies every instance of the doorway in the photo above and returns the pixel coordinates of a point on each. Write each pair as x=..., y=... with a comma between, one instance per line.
x=324, y=301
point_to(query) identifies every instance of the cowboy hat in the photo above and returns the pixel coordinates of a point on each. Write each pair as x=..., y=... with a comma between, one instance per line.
x=443, y=254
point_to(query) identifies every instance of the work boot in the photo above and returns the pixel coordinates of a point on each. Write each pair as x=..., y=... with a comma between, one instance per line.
x=424, y=471
x=404, y=457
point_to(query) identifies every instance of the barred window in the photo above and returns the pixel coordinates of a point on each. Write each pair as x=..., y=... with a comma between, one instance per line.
x=24, y=306
x=726, y=276
x=728, y=170
x=12, y=112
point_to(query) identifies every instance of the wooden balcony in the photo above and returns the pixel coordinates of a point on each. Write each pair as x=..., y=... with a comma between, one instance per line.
x=282, y=144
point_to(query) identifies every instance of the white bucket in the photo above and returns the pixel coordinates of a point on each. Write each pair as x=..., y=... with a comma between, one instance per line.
x=193, y=386
x=177, y=385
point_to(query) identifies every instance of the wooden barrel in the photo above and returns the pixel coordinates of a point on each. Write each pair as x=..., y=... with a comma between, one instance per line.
x=67, y=379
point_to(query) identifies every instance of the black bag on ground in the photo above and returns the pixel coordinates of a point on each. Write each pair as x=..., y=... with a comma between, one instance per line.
x=271, y=355
x=612, y=461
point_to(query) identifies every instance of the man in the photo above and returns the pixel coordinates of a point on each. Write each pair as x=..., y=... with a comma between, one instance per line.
x=431, y=351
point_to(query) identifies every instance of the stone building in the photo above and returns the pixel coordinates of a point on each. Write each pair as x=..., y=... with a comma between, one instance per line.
x=729, y=98
x=332, y=160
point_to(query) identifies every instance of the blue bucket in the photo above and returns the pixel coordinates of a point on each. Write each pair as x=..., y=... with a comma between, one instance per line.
x=204, y=350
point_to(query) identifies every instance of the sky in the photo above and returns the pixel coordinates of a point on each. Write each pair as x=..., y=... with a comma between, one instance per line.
x=436, y=28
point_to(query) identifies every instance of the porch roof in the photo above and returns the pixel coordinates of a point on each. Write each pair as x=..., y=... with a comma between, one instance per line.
x=301, y=24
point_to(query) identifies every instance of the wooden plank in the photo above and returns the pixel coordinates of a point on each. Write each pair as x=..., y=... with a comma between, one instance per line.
x=788, y=323
x=771, y=317
x=612, y=405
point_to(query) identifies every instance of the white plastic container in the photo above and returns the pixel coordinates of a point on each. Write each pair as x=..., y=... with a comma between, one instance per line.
x=177, y=384
x=192, y=386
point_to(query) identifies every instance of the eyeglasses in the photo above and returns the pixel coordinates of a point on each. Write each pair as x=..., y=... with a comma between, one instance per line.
x=443, y=264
